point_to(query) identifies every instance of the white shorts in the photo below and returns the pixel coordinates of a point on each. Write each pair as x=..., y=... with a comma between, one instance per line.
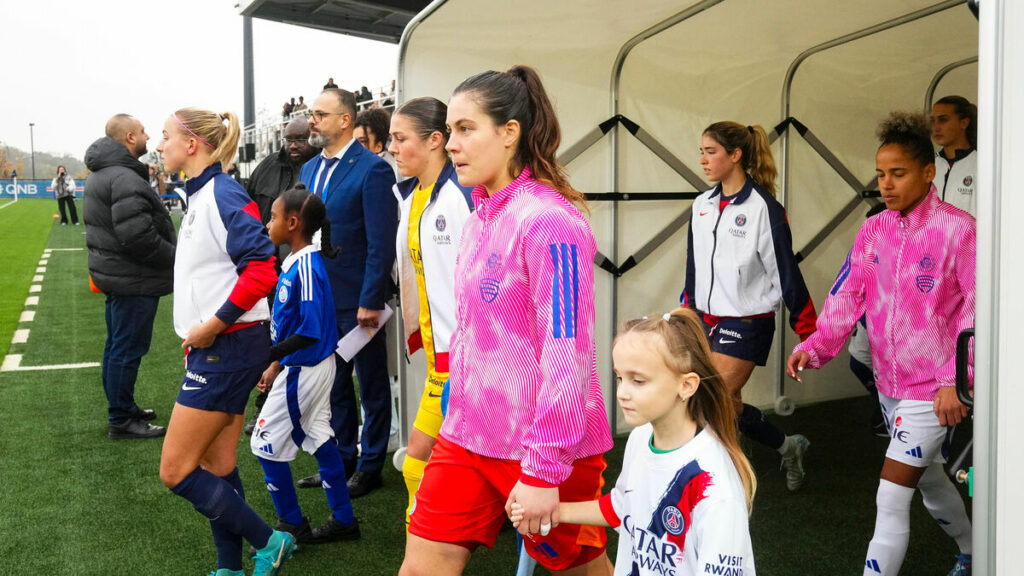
x=917, y=438
x=297, y=413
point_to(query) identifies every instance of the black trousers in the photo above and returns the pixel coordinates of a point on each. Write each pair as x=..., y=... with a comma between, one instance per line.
x=70, y=201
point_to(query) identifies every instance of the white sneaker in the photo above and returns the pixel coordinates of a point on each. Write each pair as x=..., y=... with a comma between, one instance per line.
x=793, y=461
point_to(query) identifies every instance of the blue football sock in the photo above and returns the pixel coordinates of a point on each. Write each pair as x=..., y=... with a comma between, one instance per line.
x=278, y=476
x=753, y=425
x=332, y=475
x=229, y=545
x=218, y=501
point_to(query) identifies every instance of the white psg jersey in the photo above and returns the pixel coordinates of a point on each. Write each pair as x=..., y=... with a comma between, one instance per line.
x=679, y=513
x=955, y=182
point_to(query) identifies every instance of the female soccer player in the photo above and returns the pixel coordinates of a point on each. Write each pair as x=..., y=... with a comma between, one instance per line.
x=526, y=421
x=223, y=271
x=911, y=271
x=955, y=129
x=434, y=210
x=686, y=488
x=297, y=412
x=739, y=264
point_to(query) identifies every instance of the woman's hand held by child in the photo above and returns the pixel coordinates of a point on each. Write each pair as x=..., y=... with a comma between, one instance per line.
x=539, y=507
x=796, y=364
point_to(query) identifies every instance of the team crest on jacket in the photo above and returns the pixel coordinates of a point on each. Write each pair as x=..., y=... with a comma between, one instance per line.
x=927, y=263
x=925, y=283
x=741, y=219
x=968, y=181
x=673, y=520
x=440, y=223
x=489, y=289
x=282, y=294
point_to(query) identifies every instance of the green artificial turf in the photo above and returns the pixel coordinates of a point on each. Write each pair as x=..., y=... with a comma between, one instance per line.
x=74, y=502
x=24, y=228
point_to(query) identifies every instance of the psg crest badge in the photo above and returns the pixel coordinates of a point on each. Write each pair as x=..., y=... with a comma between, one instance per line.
x=440, y=224
x=673, y=520
x=741, y=219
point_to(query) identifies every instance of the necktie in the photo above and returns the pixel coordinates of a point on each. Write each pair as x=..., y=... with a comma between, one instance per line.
x=323, y=176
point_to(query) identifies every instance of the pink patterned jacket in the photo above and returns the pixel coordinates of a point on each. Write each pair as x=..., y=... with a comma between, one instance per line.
x=524, y=382
x=914, y=277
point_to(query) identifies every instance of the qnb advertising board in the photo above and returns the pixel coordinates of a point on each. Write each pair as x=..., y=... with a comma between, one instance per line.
x=32, y=189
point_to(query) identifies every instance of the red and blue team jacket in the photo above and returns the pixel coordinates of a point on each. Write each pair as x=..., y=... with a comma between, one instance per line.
x=224, y=264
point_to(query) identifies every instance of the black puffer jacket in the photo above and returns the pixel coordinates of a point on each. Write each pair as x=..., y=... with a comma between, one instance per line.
x=128, y=231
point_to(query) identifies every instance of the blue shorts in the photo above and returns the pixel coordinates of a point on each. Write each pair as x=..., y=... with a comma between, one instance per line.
x=744, y=338
x=220, y=378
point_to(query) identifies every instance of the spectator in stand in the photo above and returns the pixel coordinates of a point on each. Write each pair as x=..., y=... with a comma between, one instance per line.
x=273, y=175
x=371, y=130
x=286, y=111
x=233, y=171
x=131, y=243
x=363, y=98
x=330, y=84
x=300, y=106
x=64, y=191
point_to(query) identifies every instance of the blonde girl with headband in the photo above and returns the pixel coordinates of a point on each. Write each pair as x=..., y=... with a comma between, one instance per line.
x=683, y=497
x=739, y=266
x=223, y=272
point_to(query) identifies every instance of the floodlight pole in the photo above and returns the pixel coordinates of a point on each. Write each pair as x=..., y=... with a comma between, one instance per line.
x=32, y=144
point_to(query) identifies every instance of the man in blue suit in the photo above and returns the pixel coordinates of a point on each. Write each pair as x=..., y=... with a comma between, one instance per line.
x=356, y=185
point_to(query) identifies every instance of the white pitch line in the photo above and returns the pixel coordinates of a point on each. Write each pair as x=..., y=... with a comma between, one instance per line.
x=20, y=336
x=12, y=363
x=37, y=278
x=27, y=316
x=41, y=270
x=32, y=301
x=63, y=250
x=35, y=288
x=48, y=250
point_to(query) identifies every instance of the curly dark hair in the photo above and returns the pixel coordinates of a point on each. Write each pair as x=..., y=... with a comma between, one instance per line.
x=376, y=121
x=910, y=131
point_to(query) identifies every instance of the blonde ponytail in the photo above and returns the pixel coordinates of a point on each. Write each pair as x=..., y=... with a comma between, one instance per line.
x=209, y=128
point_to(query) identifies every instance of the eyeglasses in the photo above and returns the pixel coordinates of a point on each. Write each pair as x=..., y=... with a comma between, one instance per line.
x=296, y=140
x=318, y=115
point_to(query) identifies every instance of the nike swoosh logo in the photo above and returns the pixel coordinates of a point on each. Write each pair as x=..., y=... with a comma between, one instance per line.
x=723, y=341
x=187, y=387
x=432, y=395
x=705, y=213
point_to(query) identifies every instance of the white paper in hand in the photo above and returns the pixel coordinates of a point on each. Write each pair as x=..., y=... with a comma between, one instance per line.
x=353, y=342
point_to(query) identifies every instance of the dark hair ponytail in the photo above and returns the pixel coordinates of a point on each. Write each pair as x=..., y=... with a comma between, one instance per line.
x=312, y=213
x=964, y=109
x=519, y=95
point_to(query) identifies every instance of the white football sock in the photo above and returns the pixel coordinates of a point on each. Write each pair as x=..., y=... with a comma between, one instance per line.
x=892, y=530
x=945, y=504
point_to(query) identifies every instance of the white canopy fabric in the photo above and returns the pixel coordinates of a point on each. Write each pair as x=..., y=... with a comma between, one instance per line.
x=727, y=61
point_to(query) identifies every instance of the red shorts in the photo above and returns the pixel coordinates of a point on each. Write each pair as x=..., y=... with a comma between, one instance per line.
x=462, y=500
